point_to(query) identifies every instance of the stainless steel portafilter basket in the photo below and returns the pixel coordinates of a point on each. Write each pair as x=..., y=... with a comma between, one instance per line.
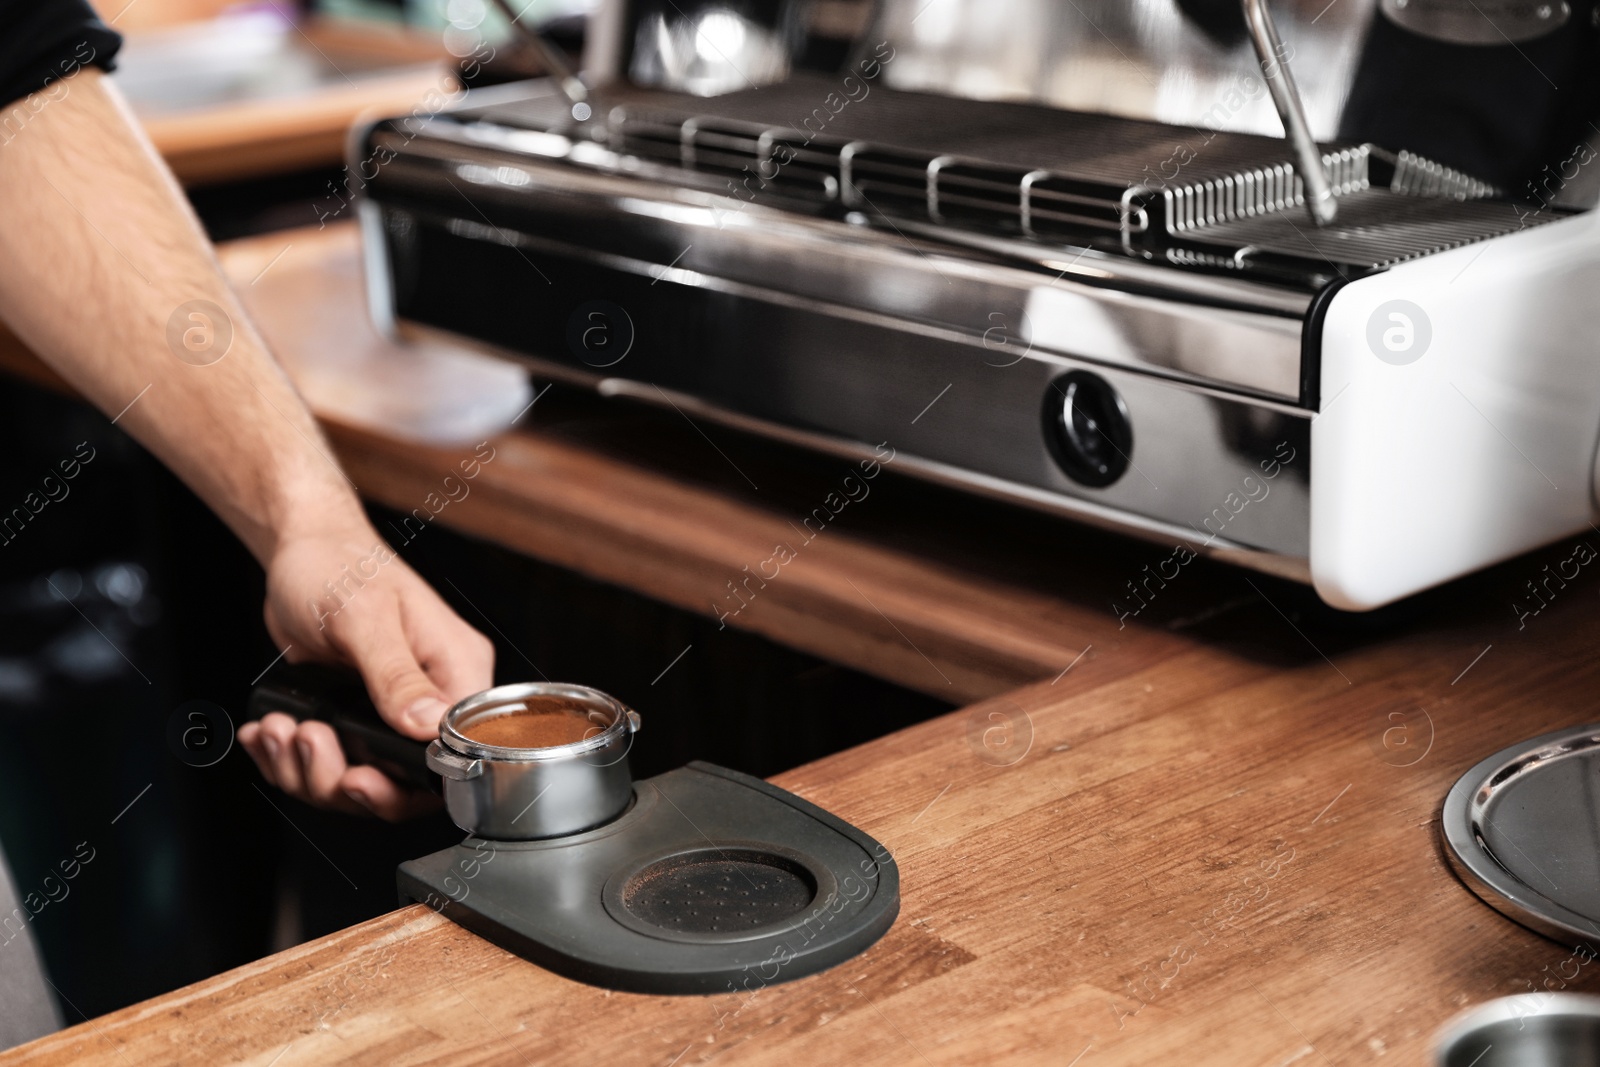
x=524, y=794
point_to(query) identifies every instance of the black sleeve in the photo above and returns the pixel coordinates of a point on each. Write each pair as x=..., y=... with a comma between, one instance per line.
x=42, y=41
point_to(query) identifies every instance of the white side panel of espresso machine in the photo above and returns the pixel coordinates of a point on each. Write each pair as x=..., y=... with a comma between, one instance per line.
x=1472, y=437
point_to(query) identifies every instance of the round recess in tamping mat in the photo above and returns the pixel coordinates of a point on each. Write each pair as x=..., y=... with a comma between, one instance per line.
x=719, y=891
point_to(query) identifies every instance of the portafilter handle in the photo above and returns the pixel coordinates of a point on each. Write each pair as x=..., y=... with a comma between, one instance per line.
x=337, y=697
x=1286, y=98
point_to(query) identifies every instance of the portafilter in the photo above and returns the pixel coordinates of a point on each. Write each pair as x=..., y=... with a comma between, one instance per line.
x=496, y=791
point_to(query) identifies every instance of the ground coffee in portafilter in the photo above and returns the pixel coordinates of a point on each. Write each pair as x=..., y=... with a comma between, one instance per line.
x=544, y=728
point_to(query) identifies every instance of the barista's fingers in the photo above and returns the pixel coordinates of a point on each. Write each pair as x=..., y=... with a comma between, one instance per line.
x=322, y=766
x=250, y=738
x=277, y=742
x=459, y=659
x=375, y=792
x=371, y=633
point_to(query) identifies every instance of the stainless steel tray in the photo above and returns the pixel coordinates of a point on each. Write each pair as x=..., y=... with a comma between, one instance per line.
x=1522, y=830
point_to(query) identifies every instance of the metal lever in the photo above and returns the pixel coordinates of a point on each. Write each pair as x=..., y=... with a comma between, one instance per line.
x=1286, y=97
x=574, y=90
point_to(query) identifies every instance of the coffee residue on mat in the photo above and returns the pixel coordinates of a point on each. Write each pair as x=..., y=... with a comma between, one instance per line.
x=531, y=729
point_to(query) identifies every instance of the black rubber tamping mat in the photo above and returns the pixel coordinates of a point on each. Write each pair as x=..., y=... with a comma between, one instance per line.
x=1522, y=831
x=711, y=882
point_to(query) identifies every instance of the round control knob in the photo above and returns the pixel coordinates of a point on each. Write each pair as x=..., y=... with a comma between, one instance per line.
x=1087, y=429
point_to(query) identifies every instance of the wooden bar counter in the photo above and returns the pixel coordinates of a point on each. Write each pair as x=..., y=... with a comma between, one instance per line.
x=1207, y=836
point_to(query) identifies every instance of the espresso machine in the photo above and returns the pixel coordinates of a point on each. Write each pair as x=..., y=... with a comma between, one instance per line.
x=1296, y=285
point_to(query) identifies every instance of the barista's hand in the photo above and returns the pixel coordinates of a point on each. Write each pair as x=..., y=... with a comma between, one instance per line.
x=416, y=655
x=126, y=257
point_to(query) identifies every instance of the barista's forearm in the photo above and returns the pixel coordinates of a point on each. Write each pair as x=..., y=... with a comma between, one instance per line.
x=98, y=251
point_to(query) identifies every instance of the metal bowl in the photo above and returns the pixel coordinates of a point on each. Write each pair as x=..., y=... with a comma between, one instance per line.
x=523, y=794
x=1528, y=1030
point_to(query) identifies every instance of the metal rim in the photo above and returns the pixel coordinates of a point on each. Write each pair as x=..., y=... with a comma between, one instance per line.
x=1508, y=1009
x=622, y=721
x=1478, y=868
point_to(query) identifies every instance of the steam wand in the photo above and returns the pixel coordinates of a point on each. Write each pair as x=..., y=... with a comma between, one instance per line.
x=1286, y=97
x=571, y=87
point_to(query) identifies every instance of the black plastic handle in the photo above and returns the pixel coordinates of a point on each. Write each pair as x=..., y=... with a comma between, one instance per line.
x=338, y=697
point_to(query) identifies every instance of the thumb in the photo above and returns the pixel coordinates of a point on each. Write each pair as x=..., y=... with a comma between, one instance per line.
x=404, y=695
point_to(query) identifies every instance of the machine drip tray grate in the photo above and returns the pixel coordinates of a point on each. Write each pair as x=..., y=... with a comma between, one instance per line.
x=719, y=891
